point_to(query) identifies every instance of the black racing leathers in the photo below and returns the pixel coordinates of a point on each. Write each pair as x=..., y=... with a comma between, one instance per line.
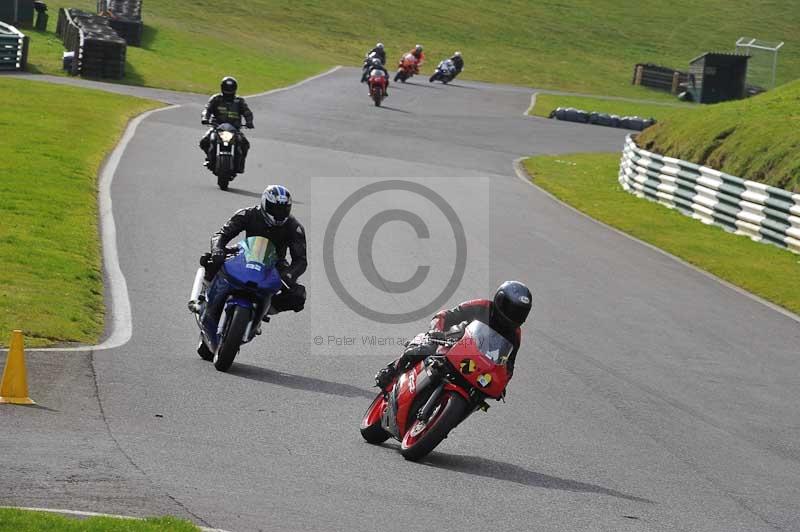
x=458, y=61
x=290, y=236
x=379, y=53
x=226, y=109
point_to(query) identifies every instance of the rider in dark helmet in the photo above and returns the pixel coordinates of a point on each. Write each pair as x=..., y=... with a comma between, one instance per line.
x=226, y=107
x=272, y=219
x=505, y=313
x=376, y=64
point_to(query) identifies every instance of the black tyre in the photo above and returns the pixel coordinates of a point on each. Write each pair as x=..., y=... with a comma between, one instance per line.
x=422, y=438
x=224, y=170
x=371, y=429
x=235, y=328
x=377, y=99
x=397, y=77
x=432, y=78
x=204, y=352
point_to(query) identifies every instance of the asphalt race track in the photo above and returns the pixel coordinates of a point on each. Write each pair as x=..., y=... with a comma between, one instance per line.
x=647, y=396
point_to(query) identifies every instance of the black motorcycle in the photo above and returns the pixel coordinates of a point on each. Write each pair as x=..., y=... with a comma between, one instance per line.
x=224, y=153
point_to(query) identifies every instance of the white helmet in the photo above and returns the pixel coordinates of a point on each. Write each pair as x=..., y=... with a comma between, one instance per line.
x=379, y=46
x=457, y=54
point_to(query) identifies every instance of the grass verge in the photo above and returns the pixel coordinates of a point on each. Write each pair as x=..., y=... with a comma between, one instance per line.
x=646, y=109
x=13, y=520
x=589, y=183
x=757, y=138
x=588, y=46
x=53, y=142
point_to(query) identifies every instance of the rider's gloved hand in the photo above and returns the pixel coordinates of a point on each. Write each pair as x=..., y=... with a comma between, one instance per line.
x=204, y=121
x=437, y=335
x=218, y=256
x=287, y=278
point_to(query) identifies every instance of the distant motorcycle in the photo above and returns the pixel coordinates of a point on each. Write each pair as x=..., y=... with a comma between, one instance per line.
x=224, y=146
x=425, y=403
x=377, y=86
x=445, y=72
x=407, y=68
x=230, y=313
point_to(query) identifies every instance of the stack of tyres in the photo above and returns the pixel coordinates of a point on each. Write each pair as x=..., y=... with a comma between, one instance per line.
x=99, y=51
x=570, y=114
x=604, y=119
x=125, y=17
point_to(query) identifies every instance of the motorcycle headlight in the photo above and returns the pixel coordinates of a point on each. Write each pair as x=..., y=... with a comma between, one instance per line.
x=226, y=136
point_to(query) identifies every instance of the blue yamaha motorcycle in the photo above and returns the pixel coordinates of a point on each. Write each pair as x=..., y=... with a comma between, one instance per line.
x=229, y=313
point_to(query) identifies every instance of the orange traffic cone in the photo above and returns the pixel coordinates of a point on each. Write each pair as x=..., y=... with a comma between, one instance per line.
x=14, y=386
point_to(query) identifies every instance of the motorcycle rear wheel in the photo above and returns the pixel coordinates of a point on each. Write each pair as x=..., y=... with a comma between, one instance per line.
x=371, y=428
x=229, y=347
x=423, y=437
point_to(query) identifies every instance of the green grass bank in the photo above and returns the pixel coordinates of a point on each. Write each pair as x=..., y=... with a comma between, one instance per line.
x=589, y=183
x=757, y=138
x=585, y=46
x=54, y=141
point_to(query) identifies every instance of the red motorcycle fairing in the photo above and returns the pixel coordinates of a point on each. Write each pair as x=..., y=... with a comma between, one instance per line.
x=407, y=388
x=481, y=372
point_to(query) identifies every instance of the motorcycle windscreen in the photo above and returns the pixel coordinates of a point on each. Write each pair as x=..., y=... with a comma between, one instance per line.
x=489, y=342
x=254, y=266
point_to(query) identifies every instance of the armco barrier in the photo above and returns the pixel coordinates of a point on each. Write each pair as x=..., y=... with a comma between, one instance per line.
x=13, y=48
x=762, y=212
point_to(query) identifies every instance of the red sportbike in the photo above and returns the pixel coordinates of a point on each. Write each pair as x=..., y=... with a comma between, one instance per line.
x=426, y=402
x=407, y=67
x=377, y=86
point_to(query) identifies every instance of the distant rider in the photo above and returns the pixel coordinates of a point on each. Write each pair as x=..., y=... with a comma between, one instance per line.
x=376, y=64
x=458, y=62
x=271, y=219
x=419, y=56
x=505, y=313
x=226, y=107
x=379, y=52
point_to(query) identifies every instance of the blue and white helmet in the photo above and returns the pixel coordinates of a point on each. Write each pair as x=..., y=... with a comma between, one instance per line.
x=276, y=205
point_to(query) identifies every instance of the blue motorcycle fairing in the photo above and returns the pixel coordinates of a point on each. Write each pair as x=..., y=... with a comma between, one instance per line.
x=251, y=275
x=241, y=282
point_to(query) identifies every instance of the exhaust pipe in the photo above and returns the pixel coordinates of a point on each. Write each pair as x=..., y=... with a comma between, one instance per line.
x=197, y=287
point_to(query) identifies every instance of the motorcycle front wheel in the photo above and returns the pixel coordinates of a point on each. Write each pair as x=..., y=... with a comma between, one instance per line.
x=232, y=340
x=424, y=435
x=224, y=170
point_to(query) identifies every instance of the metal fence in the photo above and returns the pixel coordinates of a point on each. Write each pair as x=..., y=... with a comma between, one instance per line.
x=762, y=212
x=13, y=48
x=659, y=77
